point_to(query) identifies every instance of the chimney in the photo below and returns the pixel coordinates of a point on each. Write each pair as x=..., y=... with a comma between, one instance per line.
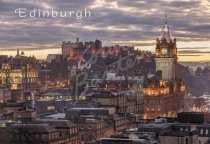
x=77, y=40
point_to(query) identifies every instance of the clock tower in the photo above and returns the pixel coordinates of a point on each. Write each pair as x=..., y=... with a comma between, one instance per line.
x=166, y=54
x=164, y=96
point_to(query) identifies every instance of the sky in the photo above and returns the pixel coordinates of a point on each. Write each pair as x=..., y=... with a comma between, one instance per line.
x=124, y=22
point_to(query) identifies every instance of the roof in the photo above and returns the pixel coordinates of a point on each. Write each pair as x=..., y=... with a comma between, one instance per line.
x=64, y=91
x=84, y=105
x=58, y=92
x=42, y=105
x=61, y=123
x=57, y=123
x=88, y=108
x=56, y=116
x=53, y=94
x=42, y=128
x=116, y=117
x=153, y=127
x=122, y=139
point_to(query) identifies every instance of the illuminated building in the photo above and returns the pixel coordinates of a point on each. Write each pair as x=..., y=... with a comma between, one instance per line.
x=20, y=74
x=166, y=54
x=164, y=93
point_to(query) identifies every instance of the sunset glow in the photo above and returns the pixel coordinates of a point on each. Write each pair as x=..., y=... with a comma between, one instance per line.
x=113, y=22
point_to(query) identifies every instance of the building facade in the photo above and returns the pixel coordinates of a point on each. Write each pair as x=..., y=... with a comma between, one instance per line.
x=20, y=74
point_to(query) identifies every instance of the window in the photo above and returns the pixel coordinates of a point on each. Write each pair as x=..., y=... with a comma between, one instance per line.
x=181, y=129
x=82, y=138
x=207, y=131
x=51, y=108
x=201, y=131
x=90, y=138
x=186, y=129
x=158, y=108
x=186, y=141
x=81, y=127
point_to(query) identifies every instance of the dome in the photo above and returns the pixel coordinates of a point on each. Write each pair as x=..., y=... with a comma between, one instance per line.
x=22, y=53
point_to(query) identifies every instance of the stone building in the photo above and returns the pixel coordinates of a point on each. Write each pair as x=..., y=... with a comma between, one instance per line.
x=180, y=133
x=40, y=131
x=95, y=129
x=203, y=134
x=36, y=133
x=68, y=131
x=123, y=102
x=119, y=122
x=20, y=74
x=91, y=121
x=162, y=98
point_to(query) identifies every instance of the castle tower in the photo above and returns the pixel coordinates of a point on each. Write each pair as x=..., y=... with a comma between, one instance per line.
x=166, y=54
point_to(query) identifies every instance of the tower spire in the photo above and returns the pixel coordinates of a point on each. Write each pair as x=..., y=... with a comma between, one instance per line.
x=166, y=22
x=18, y=53
x=165, y=31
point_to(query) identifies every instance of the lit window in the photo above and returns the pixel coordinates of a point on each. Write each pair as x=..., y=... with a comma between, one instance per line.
x=51, y=108
x=207, y=132
x=81, y=127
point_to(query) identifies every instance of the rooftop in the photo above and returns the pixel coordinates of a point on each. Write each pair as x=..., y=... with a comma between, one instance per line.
x=56, y=116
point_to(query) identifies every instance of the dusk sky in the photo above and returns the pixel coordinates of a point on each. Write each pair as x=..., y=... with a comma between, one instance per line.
x=124, y=22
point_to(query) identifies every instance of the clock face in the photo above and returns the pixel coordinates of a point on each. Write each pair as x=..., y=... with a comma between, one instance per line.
x=164, y=51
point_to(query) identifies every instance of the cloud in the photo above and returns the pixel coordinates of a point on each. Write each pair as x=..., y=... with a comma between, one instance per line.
x=112, y=21
x=193, y=52
x=189, y=55
x=189, y=48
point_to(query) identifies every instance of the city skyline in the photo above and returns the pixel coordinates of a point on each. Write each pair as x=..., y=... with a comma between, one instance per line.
x=113, y=22
x=105, y=71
